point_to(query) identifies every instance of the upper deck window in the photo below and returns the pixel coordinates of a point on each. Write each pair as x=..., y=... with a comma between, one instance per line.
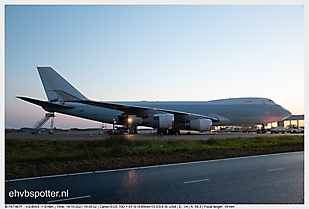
x=248, y=101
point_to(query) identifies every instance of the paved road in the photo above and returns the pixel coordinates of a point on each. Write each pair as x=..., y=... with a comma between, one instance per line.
x=142, y=135
x=267, y=179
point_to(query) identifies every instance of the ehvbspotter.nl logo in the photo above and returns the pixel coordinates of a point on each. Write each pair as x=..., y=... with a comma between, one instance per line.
x=38, y=194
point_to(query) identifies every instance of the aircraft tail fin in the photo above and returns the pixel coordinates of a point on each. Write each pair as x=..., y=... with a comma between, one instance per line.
x=53, y=83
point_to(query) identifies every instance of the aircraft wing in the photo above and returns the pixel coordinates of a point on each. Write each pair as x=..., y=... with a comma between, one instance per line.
x=139, y=111
x=144, y=111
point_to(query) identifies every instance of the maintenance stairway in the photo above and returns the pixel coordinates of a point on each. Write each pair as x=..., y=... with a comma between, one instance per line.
x=39, y=124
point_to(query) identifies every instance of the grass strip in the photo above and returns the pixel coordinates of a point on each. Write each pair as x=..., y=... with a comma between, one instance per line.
x=21, y=151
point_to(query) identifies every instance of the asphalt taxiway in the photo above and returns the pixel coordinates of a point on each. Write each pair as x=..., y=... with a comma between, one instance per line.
x=263, y=179
x=141, y=135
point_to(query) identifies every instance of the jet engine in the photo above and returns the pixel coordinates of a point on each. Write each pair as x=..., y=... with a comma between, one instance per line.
x=164, y=121
x=199, y=125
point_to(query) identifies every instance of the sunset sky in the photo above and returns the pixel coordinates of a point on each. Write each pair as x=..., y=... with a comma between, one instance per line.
x=154, y=52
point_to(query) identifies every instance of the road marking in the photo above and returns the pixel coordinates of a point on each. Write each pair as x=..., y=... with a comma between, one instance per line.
x=244, y=157
x=201, y=161
x=165, y=165
x=24, y=179
x=188, y=182
x=278, y=154
x=45, y=177
x=67, y=199
x=127, y=169
x=185, y=163
x=153, y=166
x=75, y=174
x=215, y=160
x=106, y=171
x=276, y=169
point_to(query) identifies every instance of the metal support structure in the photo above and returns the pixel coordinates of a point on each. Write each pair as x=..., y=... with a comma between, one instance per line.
x=51, y=130
x=40, y=123
x=102, y=128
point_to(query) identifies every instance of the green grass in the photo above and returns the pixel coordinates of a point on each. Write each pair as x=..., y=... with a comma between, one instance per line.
x=36, y=150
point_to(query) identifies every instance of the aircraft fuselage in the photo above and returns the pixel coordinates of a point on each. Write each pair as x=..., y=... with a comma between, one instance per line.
x=235, y=111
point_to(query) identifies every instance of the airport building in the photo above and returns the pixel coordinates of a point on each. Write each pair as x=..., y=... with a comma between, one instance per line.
x=294, y=120
x=298, y=120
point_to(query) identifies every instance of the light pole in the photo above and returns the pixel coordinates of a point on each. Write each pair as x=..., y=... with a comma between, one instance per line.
x=130, y=125
x=114, y=122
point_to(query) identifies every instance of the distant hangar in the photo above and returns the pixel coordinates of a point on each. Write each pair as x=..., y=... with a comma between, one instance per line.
x=293, y=119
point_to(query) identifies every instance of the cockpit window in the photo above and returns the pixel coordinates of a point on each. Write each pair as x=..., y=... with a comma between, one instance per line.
x=271, y=101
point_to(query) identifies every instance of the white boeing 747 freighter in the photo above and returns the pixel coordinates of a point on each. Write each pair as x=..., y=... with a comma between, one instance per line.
x=165, y=116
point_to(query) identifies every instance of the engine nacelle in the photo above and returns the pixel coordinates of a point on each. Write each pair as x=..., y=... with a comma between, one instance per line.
x=159, y=121
x=199, y=124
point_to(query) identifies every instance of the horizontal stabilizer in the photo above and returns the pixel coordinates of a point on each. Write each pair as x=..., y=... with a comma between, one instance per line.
x=44, y=104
